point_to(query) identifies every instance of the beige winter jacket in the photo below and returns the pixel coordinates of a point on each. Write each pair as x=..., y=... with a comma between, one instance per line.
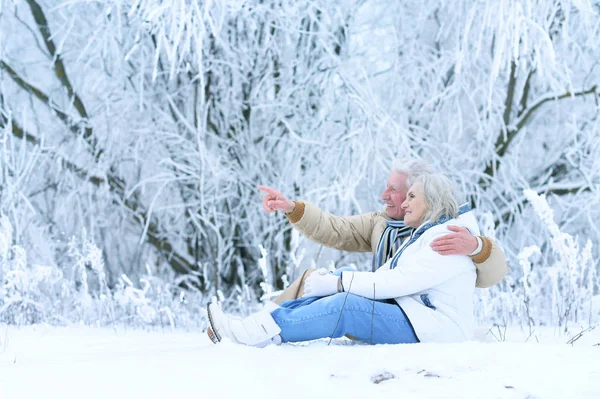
x=361, y=233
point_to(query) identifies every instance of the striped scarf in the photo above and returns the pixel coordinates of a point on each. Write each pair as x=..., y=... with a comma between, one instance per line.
x=391, y=239
x=416, y=234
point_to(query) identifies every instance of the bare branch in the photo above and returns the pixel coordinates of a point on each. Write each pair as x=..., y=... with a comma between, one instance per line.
x=512, y=82
x=525, y=95
x=502, y=145
x=59, y=68
x=40, y=96
x=17, y=131
x=525, y=118
x=552, y=188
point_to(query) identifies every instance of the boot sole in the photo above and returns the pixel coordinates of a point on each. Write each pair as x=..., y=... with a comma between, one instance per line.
x=210, y=330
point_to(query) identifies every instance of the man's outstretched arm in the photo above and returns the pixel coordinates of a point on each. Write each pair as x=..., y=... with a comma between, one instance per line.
x=351, y=233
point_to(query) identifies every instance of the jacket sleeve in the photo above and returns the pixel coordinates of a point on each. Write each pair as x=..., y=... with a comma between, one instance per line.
x=491, y=264
x=351, y=233
x=423, y=270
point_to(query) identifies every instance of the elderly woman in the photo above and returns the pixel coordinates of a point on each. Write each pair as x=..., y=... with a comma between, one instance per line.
x=417, y=296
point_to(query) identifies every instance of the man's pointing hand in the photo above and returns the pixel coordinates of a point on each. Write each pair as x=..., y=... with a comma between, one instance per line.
x=275, y=201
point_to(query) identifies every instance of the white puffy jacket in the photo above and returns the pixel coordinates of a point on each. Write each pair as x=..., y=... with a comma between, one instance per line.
x=435, y=291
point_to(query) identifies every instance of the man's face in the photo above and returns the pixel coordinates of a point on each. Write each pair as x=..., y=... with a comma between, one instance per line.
x=394, y=195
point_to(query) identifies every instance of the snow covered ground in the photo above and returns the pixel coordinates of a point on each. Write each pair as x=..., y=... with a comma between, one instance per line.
x=83, y=362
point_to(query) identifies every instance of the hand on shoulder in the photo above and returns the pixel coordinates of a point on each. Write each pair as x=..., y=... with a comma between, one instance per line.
x=459, y=241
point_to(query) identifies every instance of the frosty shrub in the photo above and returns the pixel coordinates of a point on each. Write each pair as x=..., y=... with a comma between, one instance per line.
x=77, y=291
x=554, y=290
x=28, y=291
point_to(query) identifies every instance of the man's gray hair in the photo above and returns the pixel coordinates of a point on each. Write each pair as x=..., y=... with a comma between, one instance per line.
x=412, y=168
x=439, y=195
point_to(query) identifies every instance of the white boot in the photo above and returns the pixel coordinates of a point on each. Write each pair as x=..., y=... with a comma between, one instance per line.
x=258, y=329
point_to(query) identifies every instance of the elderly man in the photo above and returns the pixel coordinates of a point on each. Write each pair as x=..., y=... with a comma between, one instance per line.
x=382, y=233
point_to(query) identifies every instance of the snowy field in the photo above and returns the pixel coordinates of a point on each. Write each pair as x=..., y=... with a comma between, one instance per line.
x=82, y=362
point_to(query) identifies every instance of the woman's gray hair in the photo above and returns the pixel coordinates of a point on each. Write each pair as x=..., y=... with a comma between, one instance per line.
x=412, y=168
x=439, y=195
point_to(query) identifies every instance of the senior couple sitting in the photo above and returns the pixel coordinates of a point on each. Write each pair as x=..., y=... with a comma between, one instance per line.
x=427, y=261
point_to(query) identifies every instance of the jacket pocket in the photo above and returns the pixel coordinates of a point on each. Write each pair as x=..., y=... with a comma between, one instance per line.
x=426, y=301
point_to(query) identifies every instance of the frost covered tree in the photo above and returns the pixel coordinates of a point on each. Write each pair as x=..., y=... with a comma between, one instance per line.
x=145, y=125
x=149, y=124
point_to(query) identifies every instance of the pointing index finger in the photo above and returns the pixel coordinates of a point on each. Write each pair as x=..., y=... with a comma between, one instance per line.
x=269, y=190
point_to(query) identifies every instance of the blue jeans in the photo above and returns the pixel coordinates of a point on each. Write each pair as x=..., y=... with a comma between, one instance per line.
x=342, y=314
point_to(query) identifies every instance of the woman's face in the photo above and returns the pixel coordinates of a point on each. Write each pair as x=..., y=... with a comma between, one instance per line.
x=414, y=206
